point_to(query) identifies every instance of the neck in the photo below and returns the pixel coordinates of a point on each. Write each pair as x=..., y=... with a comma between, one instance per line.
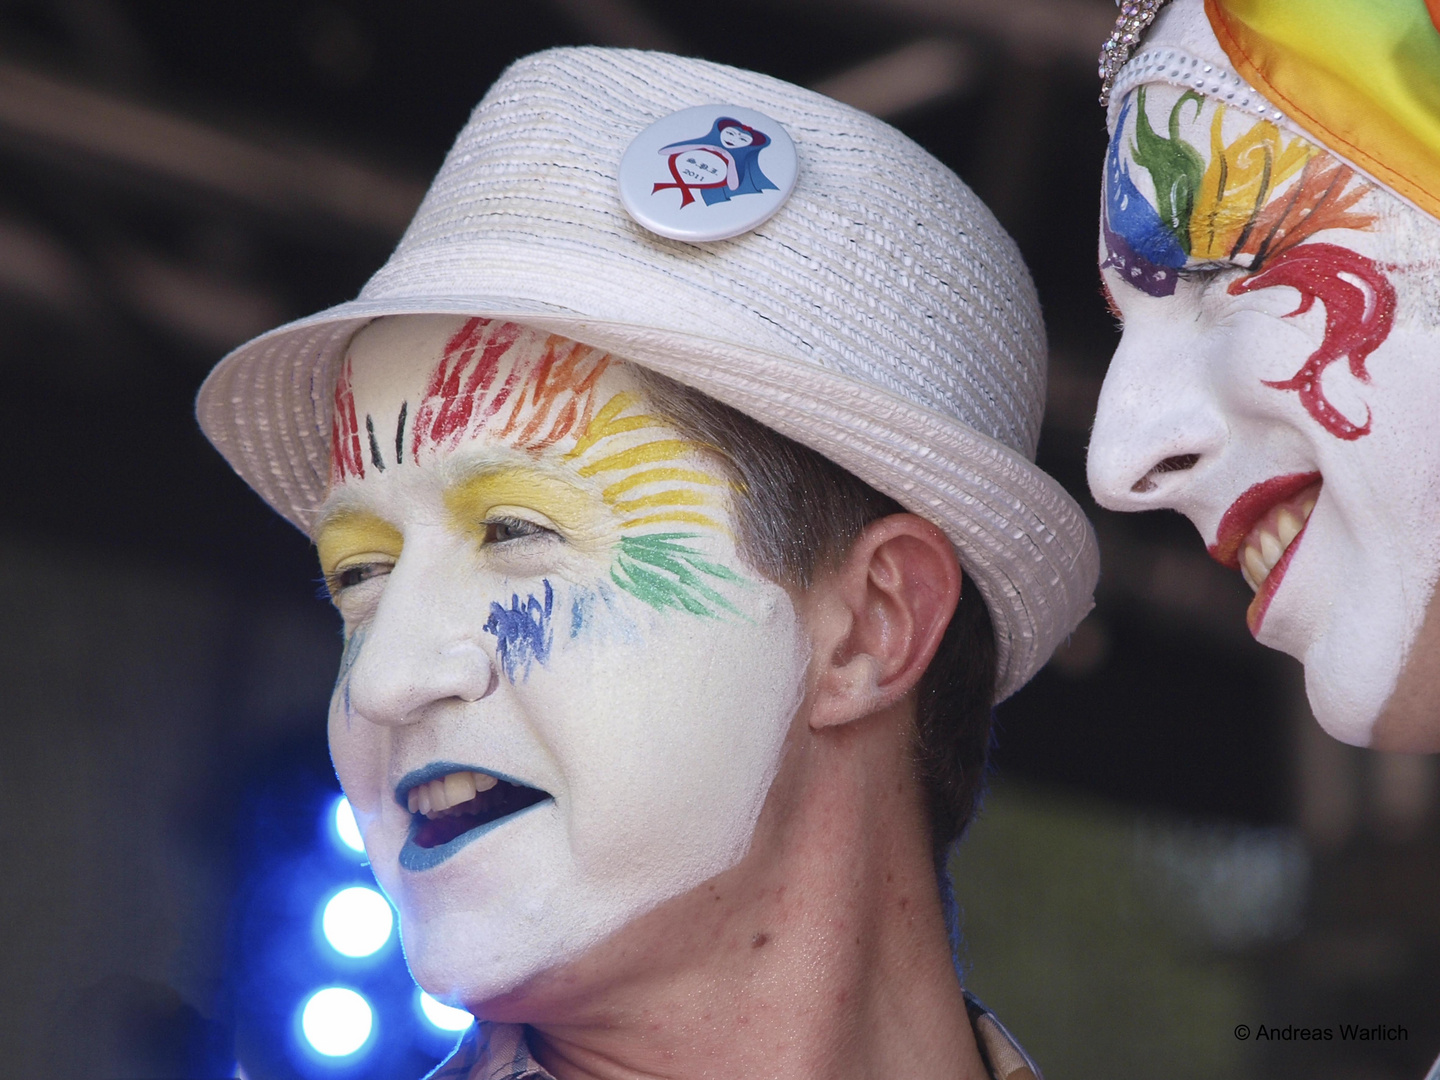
x=824, y=953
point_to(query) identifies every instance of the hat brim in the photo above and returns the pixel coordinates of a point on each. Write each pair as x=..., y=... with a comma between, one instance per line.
x=1020, y=538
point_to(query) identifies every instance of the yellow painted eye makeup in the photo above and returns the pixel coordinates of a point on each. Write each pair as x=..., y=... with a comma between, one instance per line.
x=573, y=510
x=351, y=539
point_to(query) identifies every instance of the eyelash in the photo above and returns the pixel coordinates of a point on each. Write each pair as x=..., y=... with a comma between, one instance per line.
x=337, y=581
x=519, y=529
x=500, y=530
x=1207, y=272
x=1110, y=302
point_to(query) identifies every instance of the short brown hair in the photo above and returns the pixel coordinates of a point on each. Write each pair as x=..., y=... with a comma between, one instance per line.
x=798, y=512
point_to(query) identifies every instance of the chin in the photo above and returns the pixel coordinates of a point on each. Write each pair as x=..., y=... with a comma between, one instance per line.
x=1349, y=621
x=1350, y=680
x=1345, y=712
x=463, y=963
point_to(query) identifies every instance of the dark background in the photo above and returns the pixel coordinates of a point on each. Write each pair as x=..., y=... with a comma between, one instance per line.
x=176, y=177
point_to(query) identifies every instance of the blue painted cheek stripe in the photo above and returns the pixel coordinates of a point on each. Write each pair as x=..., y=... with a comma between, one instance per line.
x=523, y=632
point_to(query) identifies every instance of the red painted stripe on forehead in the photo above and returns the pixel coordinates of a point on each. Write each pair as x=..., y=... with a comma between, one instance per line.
x=549, y=388
x=346, y=459
x=564, y=380
x=458, y=396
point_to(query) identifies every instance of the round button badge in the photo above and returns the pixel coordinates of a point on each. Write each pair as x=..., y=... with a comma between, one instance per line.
x=707, y=173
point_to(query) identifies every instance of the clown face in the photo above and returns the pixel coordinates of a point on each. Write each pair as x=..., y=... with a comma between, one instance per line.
x=735, y=136
x=564, y=695
x=1277, y=382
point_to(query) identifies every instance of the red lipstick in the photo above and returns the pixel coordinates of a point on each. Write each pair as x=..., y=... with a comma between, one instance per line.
x=1253, y=518
x=1246, y=511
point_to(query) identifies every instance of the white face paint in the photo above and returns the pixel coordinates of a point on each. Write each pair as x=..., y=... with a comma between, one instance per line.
x=1278, y=382
x=734, y=136
x=540, y=586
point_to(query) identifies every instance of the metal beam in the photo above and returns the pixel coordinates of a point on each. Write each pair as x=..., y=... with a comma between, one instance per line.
x=617, y=22
x=1035, y=30
x=291, y=179
x=911, y=76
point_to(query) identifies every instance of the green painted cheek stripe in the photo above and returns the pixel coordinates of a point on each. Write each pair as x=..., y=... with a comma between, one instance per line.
x=663, y=572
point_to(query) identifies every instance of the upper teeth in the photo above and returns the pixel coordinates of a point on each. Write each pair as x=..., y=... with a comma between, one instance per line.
x=1274, y=533
x=439, y=797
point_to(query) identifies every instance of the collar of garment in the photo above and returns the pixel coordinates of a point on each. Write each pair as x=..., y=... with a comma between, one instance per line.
x=502, y=1052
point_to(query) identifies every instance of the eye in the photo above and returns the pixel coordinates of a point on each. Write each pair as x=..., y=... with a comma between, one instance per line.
x=1207, y=273
x=353, y=574
x=503, y=529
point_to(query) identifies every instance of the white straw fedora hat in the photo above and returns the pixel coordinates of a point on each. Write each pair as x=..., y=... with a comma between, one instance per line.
x=881, y=317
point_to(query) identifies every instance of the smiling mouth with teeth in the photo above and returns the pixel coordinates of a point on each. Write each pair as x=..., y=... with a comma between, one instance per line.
x=1261, y=532
x=457, y=802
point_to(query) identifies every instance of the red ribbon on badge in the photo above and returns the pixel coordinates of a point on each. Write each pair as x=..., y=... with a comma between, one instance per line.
x=686, y=187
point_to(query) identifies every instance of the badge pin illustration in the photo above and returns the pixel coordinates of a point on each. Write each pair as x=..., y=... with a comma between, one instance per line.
x=743, y=153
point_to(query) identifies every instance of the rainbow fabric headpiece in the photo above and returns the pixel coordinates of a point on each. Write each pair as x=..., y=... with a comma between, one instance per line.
x=1362, y=76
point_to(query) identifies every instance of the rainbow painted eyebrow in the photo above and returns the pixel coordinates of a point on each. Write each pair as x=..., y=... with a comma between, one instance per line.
x=1257, y=197
x=533, y=392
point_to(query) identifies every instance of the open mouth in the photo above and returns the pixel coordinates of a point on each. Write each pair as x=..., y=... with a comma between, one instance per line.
x=450, y=805
x=1261, y=532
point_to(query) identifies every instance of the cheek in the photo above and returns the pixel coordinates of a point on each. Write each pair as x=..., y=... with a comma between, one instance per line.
x=678, y=733
x=1404, y=390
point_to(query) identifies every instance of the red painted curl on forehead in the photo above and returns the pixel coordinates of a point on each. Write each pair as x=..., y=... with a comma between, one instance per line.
x=1357, y=320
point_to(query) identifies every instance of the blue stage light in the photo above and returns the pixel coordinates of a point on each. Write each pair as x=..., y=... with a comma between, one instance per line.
x=346, y=828
x=443, y=1016
x=336, y=1021
x=357, y=921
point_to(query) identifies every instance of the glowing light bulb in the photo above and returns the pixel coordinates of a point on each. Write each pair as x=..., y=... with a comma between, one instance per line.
x=357, y=921
x=443, y=1016
x=336, y=1021
x=346, y=827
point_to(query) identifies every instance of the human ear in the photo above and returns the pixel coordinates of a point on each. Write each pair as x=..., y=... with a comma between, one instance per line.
x=876, y=619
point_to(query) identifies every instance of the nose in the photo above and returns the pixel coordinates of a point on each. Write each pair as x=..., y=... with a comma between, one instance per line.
x=1158, y=420
x=423, y=645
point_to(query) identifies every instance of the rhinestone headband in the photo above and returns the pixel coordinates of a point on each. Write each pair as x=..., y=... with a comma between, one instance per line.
x=1130, y=25
x=1172, y=64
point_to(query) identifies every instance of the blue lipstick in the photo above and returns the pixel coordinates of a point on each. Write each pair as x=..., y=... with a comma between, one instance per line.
x=433, y=840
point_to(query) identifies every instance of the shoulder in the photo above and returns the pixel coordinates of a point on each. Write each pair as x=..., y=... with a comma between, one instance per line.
x=1003, y=1055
